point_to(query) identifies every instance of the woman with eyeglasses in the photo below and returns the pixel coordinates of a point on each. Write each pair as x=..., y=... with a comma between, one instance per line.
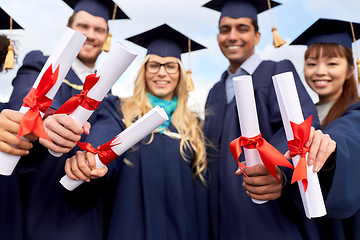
x=157, y=189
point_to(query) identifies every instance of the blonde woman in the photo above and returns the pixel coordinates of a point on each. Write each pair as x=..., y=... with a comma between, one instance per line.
x=156, y=190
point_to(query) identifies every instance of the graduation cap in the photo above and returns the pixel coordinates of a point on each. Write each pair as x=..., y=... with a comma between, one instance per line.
x=246, y=8
x=6, y=22
x=165, y=41
x=99, y=8
x=240, y=8
x=331, y=31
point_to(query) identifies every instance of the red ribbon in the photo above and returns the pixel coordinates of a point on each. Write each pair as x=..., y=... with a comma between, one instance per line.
x=37, y=101
x=270, y=156
x=105, y=153
x=81, y=99
x=301, y=134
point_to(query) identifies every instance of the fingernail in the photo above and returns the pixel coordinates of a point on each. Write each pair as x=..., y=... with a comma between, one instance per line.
x=243, y=184
x=94, y=173
x=311, y=162
x=87, y=180
x=316, y=168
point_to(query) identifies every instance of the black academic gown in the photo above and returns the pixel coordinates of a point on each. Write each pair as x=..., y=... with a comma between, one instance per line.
x=233, y=214
x=339, y=179
x=33, y=189
x=153, y=198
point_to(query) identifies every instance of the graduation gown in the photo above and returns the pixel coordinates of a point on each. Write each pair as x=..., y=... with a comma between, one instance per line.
x=339, y=180
x=233, y=214
x=33, y=191
x=155, y=197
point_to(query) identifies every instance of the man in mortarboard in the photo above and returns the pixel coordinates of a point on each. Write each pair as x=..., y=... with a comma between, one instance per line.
x=233, y=214
x=43, y=212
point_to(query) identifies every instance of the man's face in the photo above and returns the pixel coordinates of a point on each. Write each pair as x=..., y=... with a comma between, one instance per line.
x=237, y=39
x=95, y=30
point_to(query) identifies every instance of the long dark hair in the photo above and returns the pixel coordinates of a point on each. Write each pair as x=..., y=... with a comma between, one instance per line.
x=350, y=93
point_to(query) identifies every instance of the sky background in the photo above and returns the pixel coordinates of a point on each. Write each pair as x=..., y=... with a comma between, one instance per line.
x=44, y=21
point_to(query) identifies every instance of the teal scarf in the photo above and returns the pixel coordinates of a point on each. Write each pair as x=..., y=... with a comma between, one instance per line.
x=168, y=105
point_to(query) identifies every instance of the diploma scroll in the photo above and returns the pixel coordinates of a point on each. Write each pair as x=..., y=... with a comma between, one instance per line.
x=116, y=63
x=245, y=101
x=290, y=108
x=58, y=64
x=126, y=139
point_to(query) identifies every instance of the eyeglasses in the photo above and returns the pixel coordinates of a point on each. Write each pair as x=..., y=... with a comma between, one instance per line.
x=154, y=67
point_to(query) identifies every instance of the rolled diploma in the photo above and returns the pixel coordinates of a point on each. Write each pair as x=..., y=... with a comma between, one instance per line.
x=249, y=124
x=119, y=59
x=127, y=138
x=290, y=109
x=64, y=54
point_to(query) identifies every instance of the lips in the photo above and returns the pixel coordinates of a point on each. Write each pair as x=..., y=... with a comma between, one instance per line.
x=161, y=83
x=89, y=46
x=321, y=83
x=233, y=47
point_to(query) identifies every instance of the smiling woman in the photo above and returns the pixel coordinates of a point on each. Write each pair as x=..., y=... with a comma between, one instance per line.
x=329, y=66
x=158, y=188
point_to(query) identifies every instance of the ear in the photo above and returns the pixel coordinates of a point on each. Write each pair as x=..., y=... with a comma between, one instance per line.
x=351, y=72
x=257, y=37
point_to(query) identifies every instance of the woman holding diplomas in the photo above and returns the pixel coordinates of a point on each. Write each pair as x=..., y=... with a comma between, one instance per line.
x=329, y=71
x=157, y=189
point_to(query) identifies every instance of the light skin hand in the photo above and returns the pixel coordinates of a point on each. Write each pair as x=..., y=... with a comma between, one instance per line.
x=82, y=166
x=260, y=184
x=9, y=126
x=63, y=131
x=321, y=147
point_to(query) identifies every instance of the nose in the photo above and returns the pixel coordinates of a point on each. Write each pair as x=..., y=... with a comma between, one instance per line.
x=90, y=34
x=162, y=71
x=321, y=69
x=233, y=35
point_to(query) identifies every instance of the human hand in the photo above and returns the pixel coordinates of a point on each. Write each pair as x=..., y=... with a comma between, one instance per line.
x=260, y=184
x=321, y=147
x=82, y=166
x=9, y=126
x=63, y=131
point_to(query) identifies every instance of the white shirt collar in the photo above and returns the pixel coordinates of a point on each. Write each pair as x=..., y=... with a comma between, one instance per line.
x=81, y=69
x=249, y=65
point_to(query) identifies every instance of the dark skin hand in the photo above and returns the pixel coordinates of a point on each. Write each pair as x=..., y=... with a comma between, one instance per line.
x=260, y=184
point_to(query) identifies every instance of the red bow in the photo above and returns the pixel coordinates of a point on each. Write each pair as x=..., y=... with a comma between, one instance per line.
x=37, y=101
x=270, y=156
x=81, y=99
x=301, y=134
x=105, y=153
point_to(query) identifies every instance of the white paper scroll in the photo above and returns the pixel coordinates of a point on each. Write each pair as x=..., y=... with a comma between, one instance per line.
x=115, y=64
x=63, y=55
x=290, y=108
x=128, y=138
x=249, y=124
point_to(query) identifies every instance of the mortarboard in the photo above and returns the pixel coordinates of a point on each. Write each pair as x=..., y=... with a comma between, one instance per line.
x=246, y=8
x=331, y=31
x=6, y=22
x=106, y=9
x=328, y=31
x=240, y=8
x=99, y=8
x=165, y=41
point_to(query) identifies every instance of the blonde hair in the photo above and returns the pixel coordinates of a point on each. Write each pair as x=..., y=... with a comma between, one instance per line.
x=186, y=123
